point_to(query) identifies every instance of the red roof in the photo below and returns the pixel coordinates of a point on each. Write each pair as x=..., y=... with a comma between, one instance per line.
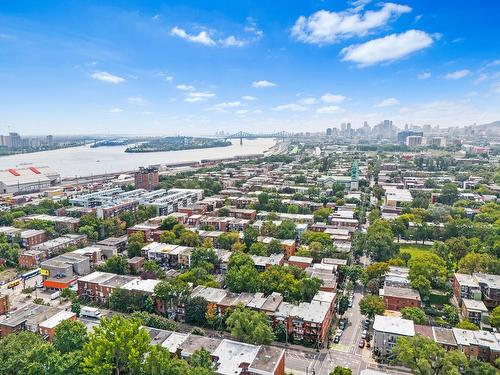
x=34, y=170
x=14, y=172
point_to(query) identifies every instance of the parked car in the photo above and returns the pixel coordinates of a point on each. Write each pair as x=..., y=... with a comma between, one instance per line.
x=336, y=339
x=361, y=343
x=350, y=303
x=364, y=333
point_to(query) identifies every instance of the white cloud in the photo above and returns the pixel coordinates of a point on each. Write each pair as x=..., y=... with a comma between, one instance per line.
x=389, y=102
x=324, y=27
x=116, y=110
x=198, y=96
x=156, y=17
x=241, y=111
x=249, y=97
x=425, y=75
x=169, y=78
x=263, y=84
x=308, y=101
x=291, y=107
x=458, y=74
x=185, y=87
x=333, y=98
x=253, y=29
x=228, y=104
x=389, y=48
x=232, y=41
x=203, y=37
x=107, y=77
x=329, y=109
x=136, y=100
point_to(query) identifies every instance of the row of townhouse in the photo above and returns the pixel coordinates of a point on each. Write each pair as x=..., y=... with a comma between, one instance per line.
x=48, y=249
x=397, y=291
x=60, y=222
x=478, y=286
x=308, y=322
x=228, y=356
x=35, y=318
x=27, y=238
x=481, y=345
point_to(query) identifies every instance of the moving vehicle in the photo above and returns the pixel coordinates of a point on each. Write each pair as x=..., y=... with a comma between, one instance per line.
x=90, y=312
x=55, y=295
x=13, y=284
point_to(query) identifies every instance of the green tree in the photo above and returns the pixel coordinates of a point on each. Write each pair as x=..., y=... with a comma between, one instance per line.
x=274, y=247
x=195, y=311
x=189, y=238
x=70, y=336
x=115, y=264
x=465, y=324
x=268, y=229
x=152, y=270
x=117, y=346
x=202, y=257
x=477, y=367
x=426, y=357
x=371, y=306
x=449, y=194
x=135, y=243
x=250, y=326
x=430, y=266
x=379, y=241
x=241, y=275
x=477, y=262
x=343, y=304
x=287, y=230
x=167, y=237
x=414, y=313
x=250, y=235
x=321, y=214
x=201, y=359
x=258, y=248
x=171, y=293
x=169, y=223
x=339, y=370
x=451, y=314
x=495, y=317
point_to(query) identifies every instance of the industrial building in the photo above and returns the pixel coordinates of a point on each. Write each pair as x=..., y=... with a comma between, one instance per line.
x=27, y=180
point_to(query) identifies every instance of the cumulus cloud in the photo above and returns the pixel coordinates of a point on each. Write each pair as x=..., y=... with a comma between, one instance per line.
x=329, y=109
x=232, y=41
x=136, y=100
x=459, y=74
x=263, y=84
x=333, y=98
x=249, y=97
x=325, y=27
x=389, y=102
x=116, y=110
x=389, y=48
x=198, y=96
x=425, y=75
x=308, y=101
x=107, y=77
x=203, y=37
x=185, y=87
x=291, y=107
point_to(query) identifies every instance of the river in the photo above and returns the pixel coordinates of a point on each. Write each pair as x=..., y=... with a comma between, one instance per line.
x=85, y=161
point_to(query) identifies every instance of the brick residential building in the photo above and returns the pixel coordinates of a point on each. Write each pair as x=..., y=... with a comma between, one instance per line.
x=398, y=298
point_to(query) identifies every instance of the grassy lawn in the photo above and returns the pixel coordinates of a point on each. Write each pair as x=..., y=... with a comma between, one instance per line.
x=413, y=249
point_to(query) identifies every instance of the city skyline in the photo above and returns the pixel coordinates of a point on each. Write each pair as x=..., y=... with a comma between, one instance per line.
x=192, y=68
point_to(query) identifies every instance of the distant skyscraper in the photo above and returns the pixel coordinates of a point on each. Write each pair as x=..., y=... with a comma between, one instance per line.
x=402, y=136
x=329, y=132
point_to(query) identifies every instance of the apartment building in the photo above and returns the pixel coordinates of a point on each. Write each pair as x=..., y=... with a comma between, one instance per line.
x=396, y=298
x=32, y=237
x=386, y=330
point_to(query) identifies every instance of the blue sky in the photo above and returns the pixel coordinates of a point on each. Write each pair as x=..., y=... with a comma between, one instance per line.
x=196, y=67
